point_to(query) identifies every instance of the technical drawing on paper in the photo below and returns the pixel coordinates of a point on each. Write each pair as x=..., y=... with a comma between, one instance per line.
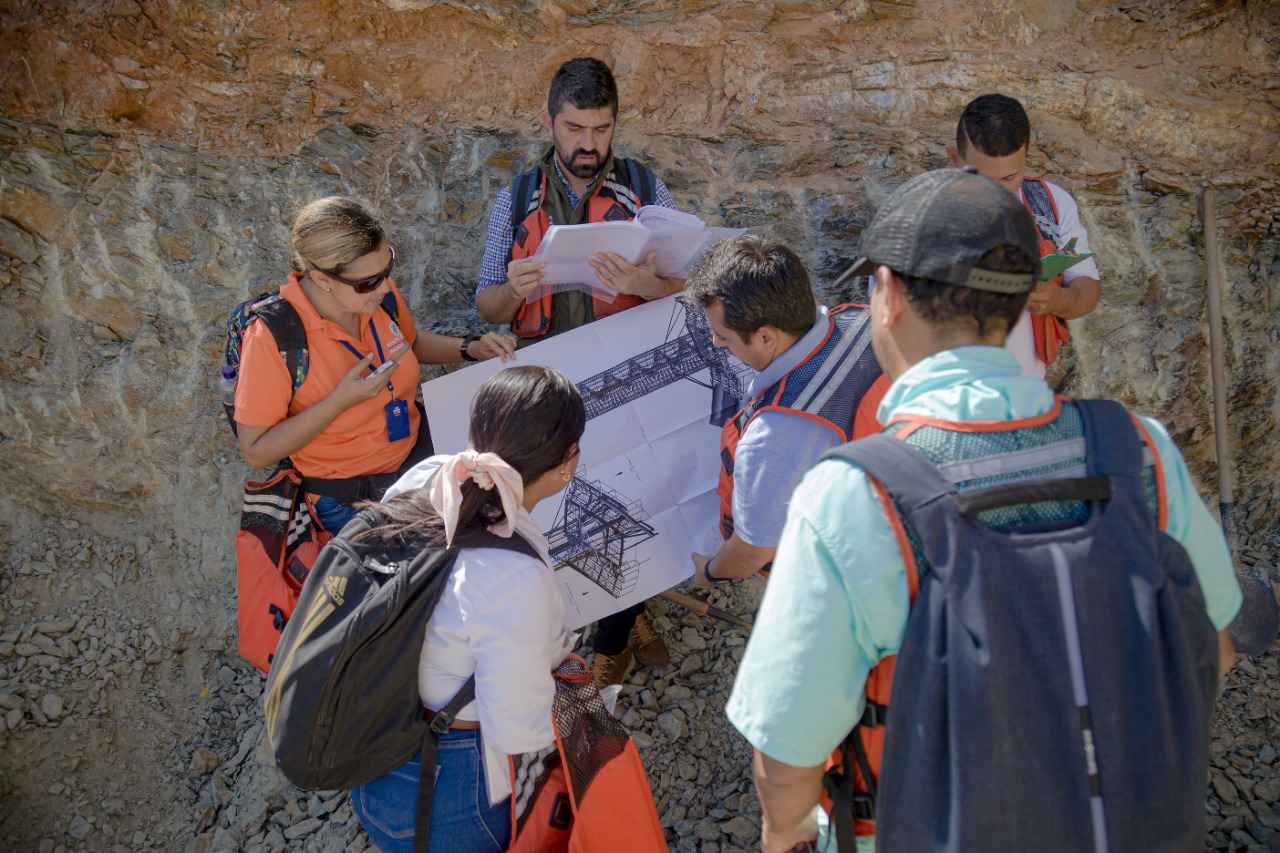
x=679, y=357
x=594, y=529
x=657, y=391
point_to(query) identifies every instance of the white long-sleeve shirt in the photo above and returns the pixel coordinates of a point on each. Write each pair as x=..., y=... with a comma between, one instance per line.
x=501, y=618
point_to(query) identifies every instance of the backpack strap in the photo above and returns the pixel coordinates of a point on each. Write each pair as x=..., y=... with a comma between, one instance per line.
x=642, y=181
x=1042, y=209
x=1113, y=447
x=906, y=473
x=290, y=334
x=440, y=722
x=522, y=190
x=392, y=307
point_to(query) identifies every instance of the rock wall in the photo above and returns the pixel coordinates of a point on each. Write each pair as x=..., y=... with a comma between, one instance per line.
x=152, y=155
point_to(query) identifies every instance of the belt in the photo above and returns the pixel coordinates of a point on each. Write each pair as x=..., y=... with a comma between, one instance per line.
x=469, y=725
x=348, y=490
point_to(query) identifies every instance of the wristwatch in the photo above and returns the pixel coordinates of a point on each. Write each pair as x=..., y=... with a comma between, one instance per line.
x=462, y=348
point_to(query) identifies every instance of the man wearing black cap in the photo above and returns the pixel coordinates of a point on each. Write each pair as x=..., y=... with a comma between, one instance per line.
x=953, y=257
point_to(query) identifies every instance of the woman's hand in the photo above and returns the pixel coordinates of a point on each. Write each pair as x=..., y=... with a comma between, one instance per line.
x=493, y=345
x=355, y=387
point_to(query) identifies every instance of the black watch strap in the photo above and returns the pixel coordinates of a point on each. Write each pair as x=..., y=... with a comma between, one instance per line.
x=466, y=342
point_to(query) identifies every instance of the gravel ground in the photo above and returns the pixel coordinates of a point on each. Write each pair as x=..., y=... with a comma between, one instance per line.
x=221, y=792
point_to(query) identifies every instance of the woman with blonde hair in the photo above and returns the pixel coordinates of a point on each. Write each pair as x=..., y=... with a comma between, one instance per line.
x=351, y=426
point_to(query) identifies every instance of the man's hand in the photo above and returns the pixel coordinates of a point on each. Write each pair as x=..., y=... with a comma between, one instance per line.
x=1074, y=299
x=787, y=798
x=699, y=562
x=634, y=280
x=523, y=275
x=1048, y=298
x=500, y=303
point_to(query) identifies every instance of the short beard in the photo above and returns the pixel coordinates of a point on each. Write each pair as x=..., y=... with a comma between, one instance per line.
x=583, y=172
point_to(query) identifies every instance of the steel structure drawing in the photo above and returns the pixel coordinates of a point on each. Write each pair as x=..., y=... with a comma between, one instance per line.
x=595, y=527
x=679, y=357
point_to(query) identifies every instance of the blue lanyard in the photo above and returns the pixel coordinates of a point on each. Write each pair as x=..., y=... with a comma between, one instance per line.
x=377, y=343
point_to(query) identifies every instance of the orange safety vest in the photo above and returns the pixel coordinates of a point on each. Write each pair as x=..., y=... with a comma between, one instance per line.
x=865, y=756
x=587, y=792
x=839, y=385
x=618, y=196
x=1048, y=331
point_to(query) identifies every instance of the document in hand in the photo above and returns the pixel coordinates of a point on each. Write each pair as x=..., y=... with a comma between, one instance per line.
x=1052, y=265
x=677, y=239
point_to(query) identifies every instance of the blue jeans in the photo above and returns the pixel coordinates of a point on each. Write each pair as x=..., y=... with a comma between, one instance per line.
x=332, y=515
x=462, y=821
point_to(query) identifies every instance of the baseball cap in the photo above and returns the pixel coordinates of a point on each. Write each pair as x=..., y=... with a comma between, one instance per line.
x=940, y=224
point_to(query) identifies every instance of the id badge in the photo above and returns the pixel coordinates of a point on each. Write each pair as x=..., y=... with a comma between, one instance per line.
x=397, y=420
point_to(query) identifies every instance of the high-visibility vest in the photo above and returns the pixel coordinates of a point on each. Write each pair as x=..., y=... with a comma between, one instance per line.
x=618, y=197
x=1048, y=331
x=839, y=384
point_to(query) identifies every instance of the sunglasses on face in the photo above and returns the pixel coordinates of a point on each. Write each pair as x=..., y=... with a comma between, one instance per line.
x=365, y=285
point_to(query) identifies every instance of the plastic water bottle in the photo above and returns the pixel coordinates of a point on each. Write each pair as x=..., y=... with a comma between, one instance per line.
x=227, y=393
x=227, y=386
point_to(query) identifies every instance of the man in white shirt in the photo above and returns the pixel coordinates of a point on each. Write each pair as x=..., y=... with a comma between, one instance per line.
x=993, y=136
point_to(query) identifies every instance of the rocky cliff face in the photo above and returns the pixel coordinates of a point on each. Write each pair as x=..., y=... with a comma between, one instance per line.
x=152, y=155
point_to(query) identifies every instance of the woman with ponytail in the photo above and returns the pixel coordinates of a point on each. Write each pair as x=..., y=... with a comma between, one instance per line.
x=501, y=617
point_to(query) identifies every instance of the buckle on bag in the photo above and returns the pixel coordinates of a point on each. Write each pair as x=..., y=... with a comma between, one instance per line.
x=873, y=715
x=864, y=807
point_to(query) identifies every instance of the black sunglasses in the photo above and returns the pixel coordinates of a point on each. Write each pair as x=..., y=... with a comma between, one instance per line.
x=366, y=285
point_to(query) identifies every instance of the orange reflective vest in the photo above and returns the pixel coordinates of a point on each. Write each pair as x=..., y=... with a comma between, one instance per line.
x=618, y=196
x=839, y=384
x=587, y=792
x=862, y=751
x=1048, y=331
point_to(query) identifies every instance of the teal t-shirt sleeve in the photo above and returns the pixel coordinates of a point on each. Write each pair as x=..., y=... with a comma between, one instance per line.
x=1192, y=526
x=836, y=604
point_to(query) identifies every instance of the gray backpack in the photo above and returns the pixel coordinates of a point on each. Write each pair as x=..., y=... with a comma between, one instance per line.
x=1055, y=686
x=342, y=705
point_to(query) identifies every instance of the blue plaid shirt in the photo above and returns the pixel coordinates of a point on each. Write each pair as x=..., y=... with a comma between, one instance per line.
x=498, y=239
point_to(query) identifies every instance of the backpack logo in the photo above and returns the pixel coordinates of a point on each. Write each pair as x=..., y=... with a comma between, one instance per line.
x=615, y=213
x=561, y=813
x=335, y=587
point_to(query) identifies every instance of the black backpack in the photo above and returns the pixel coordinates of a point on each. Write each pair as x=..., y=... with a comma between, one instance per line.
x=1055, y=687
x=286, y=327
x=342, y=702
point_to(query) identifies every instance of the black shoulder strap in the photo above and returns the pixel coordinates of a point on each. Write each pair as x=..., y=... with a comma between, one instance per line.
x=291, y=336
x=1112, y=444
x=392, y=307
x=522, y=190
x=477, y=538
x=908, y=475
x=642, y=181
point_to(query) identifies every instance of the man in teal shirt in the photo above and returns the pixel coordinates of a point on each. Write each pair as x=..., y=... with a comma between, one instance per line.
x=837, y=600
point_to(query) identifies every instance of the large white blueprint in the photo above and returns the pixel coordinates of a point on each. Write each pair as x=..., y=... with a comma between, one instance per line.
x=644, y=495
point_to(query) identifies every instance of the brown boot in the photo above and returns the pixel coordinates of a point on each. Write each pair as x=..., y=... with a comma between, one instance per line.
x=645, y=643
x=612, y=669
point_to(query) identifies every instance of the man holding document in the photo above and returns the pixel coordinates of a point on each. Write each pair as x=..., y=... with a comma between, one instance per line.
x=578, y=180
